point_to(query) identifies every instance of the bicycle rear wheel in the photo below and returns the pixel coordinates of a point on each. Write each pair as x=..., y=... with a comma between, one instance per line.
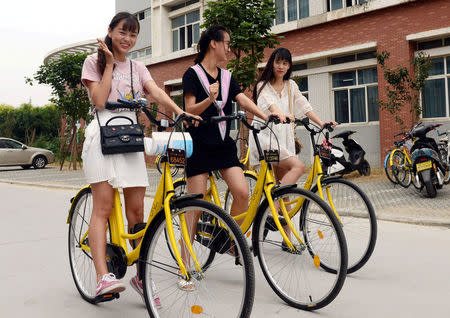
x=224, y=280
x=358, y=219
x=81, y=262
x=400, y=169
x=251, y=182
x=296, y=276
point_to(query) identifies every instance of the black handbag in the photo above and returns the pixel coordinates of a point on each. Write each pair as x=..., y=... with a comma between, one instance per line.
x=121, y=138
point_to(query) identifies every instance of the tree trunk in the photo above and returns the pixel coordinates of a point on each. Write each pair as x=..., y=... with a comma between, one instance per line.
x=62, y=143
x=74, y=146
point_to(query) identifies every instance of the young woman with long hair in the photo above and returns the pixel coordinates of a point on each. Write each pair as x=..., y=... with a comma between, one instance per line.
x=276, y=92
x=107, y=76
x=214, y=149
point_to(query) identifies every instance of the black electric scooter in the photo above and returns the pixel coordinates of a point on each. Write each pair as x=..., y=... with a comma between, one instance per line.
x=428, y=166
x=355, y=152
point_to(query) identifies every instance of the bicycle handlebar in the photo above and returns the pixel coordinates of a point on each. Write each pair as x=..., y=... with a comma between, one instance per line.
x=305, y=123
x=141, y=104
x=240, y=115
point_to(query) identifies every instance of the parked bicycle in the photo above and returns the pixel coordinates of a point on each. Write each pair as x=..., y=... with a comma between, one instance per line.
x=397, y=163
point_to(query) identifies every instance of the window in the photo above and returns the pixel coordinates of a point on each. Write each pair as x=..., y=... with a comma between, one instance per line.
x=234, y=110
x=143, y=14
x=431, y=44
x=356, y=95
x=140, y=53
x=12, y=144
x=339, y=4
x=299, y=67
x=178, y=99
x=352, y=57
x=302, y=83
x=182, y=5
x=296, y=9
x=185, y=30
x=436, y=93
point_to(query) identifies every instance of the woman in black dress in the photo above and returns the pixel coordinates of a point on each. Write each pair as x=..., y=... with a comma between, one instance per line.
x=214, y=149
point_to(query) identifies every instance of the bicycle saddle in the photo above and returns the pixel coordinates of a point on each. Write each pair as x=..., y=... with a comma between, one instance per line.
x=399, y=143
x=344, y=134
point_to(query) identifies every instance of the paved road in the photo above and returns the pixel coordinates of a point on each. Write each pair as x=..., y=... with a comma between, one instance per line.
x=391, y=202
x=407, y=276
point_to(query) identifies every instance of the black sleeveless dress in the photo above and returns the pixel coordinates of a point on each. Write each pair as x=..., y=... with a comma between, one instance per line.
x=210, y=151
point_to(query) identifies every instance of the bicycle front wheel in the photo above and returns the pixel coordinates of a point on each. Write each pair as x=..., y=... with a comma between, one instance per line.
x=224, y=290
x=357, y=217
x=388, y=169
x=296, y=276
x=81, y=262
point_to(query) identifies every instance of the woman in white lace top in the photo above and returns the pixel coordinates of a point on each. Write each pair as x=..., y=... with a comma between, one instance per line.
x=273, y=90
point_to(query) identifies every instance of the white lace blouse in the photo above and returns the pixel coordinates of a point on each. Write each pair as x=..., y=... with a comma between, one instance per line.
x=284, y=132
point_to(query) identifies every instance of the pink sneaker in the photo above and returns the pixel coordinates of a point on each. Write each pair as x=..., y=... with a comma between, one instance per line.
x=109, y=284
x=137, y=286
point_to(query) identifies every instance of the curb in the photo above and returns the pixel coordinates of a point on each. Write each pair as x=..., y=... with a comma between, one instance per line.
x=398, y=219
x=53, y=186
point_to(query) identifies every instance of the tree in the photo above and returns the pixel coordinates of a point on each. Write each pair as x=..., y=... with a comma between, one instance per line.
x=403, y=87
x=7, y=120
x=69, y=96
x=249, y=22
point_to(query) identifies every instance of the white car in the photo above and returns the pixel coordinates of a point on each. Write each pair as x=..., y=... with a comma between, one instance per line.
x=15, y=153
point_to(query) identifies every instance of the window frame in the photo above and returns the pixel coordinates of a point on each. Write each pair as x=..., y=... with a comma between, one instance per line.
x=357, y=85
x=185, y=26
x=446, y=77
x=286, y=12
x=344, y=4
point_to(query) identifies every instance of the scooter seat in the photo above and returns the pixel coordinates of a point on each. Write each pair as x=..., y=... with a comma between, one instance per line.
x=344, y=134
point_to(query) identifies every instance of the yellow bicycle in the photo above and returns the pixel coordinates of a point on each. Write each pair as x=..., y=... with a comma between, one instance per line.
x=349, y=203
x=293, y=247
x=158, y=254
x=398, y=165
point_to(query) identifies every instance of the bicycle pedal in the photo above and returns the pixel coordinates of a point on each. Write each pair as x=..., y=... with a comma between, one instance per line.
x=106, y=297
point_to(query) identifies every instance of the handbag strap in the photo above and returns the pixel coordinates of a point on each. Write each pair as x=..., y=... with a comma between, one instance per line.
x=290, y=105
x=116, y=117
x=132, y=92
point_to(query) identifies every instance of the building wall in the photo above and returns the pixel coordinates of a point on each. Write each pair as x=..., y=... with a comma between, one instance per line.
x=383, y=29
x=377, y=25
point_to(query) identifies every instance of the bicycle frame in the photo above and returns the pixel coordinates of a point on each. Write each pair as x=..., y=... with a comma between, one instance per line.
x=163, y=197
x=403, y=150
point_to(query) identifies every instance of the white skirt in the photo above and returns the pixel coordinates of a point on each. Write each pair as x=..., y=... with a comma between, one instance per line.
x=119, y=170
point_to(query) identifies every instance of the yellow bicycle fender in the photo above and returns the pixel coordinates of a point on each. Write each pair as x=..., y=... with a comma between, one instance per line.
x=289, y=222
x=172, y=240
x=275, y=216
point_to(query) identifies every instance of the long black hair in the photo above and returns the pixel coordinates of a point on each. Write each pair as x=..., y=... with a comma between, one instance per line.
x=131, y=24
x=216, y=33
x=267, y=74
